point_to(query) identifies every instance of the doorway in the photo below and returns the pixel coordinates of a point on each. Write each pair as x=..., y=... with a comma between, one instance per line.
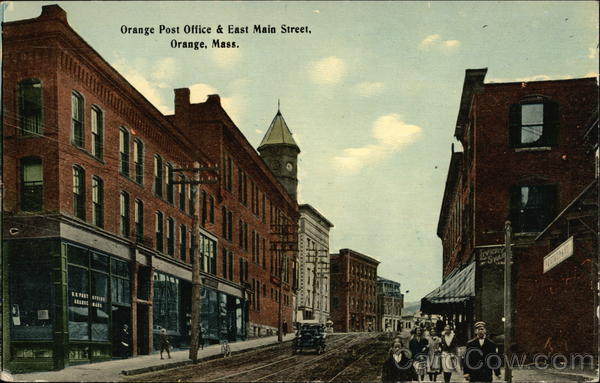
x=121, y=315
x=143, y=329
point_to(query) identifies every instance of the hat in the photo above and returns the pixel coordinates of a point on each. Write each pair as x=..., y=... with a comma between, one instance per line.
x=479, y=324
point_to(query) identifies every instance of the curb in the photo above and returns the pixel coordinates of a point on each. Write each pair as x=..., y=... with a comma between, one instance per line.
x=167, y=366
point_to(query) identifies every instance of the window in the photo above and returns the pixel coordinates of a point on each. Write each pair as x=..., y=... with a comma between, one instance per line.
x=532, y=207
x=32, y=184
x=193, y=190
x=97, y=132
x=77, y=119
x=139, y=220
x=204, y=208
x=124, y=214
x=158, y=176
x=243, y=270
x=227, y=172
x=182, y=242
x=78, y=192
x=182, y=188
x=165, y=308
x=138, y=160
x=30, y=107
x=169, y=179
x=224, y=256
x=208, y=255
x=158, y=230
x=124, y=152
x=534, y=123
x=211, y=211
x=170, y=236
x=97, y=201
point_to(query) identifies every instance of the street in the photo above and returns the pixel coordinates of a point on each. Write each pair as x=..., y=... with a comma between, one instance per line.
x=354, y=357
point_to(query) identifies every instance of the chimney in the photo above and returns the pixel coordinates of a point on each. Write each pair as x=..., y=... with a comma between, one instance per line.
x=54, y=12
x=213, y=99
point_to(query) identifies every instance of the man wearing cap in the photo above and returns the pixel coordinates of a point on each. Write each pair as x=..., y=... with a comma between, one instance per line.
x=481, y=357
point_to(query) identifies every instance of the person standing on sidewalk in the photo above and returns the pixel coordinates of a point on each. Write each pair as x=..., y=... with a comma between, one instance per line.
x=125, y=340
x=480, y=354
x=418, y=346
x=449, y=347
x=398, y=366
x=164, y=343
x=434, y=362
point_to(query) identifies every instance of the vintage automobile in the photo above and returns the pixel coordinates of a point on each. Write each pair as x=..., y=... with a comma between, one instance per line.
x=310, y=336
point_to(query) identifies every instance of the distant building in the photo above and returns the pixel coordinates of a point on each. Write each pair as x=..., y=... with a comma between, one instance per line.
x=390, y=301
x=353, y=291
x=313, y=265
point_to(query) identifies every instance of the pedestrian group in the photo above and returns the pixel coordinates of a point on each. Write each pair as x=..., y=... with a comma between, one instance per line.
x=432, y=354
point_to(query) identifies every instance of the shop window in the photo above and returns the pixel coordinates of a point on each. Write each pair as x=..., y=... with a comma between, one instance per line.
x=78, y=192
x=158, y=230
x=169, y=180
x=158, y=176
x=31, y=301
x=124, y=217
x=170, y=236
x=97, y=201
x=139, y=220
x=32, y=184
x=99, y=306
x=30, y=107
x=120, y=284
x=77, y=119
x=182, y=242
x=97, y=132
x=532, y=207
x=534, y=123
x=78, y=296
x=166, y=302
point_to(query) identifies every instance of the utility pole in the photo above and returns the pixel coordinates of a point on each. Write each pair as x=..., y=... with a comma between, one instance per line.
x=316, y=262
x=280, y=313
x=196, y=282
x=507, y=300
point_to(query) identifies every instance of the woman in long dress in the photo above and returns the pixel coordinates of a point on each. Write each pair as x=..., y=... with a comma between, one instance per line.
x=434, y=363
x=449, y=348
x=419, y=347
x=398, y=366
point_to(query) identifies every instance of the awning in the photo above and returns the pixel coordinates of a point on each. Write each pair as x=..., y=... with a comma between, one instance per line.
x=457, y=289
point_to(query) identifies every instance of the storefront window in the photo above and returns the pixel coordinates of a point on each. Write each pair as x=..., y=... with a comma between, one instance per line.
x=99, y=317
x=239, y=318
x=31, y=301
x=166, y=302
x=78, y=303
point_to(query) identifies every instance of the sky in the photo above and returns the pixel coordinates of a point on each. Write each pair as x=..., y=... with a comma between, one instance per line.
x=371, y=94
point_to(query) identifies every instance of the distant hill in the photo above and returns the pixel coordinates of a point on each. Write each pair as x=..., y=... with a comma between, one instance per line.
x=411, y=307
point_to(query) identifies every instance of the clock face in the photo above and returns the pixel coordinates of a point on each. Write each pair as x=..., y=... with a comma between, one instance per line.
x=289, y=166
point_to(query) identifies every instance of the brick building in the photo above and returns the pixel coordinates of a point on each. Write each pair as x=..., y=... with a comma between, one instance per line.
x=98, y=233
x=353, y=291
x=390, y=301
x=313, y=295
x=521, y=160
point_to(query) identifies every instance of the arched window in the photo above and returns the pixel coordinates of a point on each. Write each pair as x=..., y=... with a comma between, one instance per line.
x=158, y=176
x=139, y=220
x=159, y=230
x=30, y=107
x=32, y=184
x=124, y=214
x=169, y=182
x=78, y=192
x=170, y=236
x=77, y=119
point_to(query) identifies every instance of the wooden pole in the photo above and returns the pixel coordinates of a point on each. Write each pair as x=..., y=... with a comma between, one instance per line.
x=507, y=300
x=195, y=274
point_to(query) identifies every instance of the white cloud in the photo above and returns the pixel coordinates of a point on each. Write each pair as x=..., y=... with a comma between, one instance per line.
x=142, y=84
x=234, y=105
x=225, y=58
x=368, y=89
x=391, y=134
x=435, y=40
x=329, y=70
x=592, y=53
x=163, y=71
x=258, y=131
x=316, y=11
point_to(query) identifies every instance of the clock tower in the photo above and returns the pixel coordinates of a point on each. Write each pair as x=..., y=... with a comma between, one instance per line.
x=280, y=152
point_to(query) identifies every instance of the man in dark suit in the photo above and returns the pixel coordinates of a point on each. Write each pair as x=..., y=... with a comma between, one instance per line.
x=481, y=357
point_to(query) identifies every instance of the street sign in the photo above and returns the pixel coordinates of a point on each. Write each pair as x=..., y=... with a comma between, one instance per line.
x=562, y=252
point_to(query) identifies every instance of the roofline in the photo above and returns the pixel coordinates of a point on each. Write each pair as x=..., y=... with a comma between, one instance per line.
x=306, y=206
x=360, y=255
x=473, y=83
x=539, y=81
x=451, y=179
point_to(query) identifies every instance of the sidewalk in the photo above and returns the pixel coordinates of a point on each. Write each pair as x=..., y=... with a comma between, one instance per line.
x=114, y=370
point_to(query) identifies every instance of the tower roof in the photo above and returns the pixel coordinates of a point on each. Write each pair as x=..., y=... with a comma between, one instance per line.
x=278, y=133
